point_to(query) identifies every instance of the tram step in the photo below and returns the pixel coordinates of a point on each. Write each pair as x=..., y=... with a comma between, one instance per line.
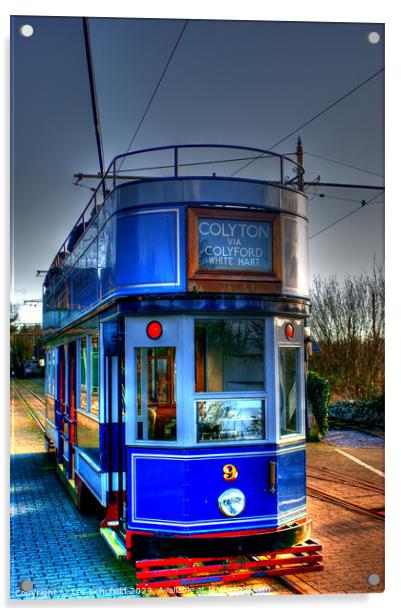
x=114, y=542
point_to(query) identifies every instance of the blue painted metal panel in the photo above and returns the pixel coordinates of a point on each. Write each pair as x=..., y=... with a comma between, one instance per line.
x=89, y=475
x=161, y=489
x=177, y=491
x=135, y=252
x=148, y=251
x=104, y=445
x=253, y=481
x=291, y=480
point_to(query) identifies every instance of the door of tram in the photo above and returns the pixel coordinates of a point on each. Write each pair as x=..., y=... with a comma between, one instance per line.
x=114, y=407
x=70, y=410
x=60, y=403
x=151, y=376
x=65, y=407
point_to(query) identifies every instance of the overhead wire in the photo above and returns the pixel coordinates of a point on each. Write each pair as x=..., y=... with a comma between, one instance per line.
x=323, y=195
x=337, y=162
x=156, y=89
x=316, y=116
x=363, y=204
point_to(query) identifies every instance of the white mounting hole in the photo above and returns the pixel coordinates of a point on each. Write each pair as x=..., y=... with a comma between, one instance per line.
x=373, y=37
x=26, y=30
x=373, y=579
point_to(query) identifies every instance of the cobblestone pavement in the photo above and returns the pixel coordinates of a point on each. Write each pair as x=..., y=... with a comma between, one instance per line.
x=60, y=552
x=54, y=547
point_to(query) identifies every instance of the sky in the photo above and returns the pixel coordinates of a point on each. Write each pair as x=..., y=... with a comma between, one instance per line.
x=249, y=83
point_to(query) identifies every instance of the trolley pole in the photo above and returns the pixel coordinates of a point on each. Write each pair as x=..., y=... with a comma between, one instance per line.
x=300, y=161
x=95, y=110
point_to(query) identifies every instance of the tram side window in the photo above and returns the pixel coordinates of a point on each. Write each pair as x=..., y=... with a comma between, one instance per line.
x=82, y=373
x=289, y=371
x=48, y=360
x=50, y=372
x=155, y=394
x=94, y=373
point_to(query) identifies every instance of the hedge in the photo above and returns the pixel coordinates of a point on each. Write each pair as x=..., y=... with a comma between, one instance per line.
x=318, y=395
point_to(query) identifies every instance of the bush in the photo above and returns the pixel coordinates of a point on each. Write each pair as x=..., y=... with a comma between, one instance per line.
x=367, y=412
x=318, y=395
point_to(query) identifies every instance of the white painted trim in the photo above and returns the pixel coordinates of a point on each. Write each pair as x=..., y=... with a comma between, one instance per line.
x=297, y=343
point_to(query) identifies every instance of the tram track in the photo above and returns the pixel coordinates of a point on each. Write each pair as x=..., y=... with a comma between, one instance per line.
x=291, y=585
x=29, y=409
x=346, y=504
x=319, y=474
x=31, y=391
x=328, y=475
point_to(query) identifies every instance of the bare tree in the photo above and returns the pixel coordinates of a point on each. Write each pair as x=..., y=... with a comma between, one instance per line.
x=347, y=321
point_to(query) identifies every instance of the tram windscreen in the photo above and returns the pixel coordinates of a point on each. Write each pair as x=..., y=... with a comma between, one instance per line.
x=155, y=394
x=288, y=390
x=229, y=355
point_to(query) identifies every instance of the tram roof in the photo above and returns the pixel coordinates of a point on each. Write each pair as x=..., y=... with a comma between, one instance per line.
x=114, y=177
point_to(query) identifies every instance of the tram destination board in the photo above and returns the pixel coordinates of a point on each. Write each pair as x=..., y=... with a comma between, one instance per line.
x=234, y=251
x=235, y=244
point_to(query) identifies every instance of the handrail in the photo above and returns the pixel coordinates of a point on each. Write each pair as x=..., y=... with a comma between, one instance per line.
x=112, y=174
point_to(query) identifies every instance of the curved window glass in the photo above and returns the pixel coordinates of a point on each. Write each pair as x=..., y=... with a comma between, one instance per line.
x=289, y=416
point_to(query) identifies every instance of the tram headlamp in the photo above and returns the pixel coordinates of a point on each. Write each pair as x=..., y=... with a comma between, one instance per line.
x=232, y=502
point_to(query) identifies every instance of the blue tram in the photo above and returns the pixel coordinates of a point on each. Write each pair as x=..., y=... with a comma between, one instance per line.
x=174, y=325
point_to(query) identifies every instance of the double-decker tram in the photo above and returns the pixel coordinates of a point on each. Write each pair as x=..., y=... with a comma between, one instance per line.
x=174, y=325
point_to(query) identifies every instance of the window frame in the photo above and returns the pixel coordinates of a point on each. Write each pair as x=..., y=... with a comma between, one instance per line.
x=300, y=392
x=78, y=375
x=88, y=379
x=50, y=372
x=141, y=419
x=257, y=395
x=89, y=374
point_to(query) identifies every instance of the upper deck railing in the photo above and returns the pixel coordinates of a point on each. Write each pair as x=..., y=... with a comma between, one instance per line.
x=176, y=161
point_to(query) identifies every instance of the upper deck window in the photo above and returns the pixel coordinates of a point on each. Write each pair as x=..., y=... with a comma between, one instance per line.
x=229, y=355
